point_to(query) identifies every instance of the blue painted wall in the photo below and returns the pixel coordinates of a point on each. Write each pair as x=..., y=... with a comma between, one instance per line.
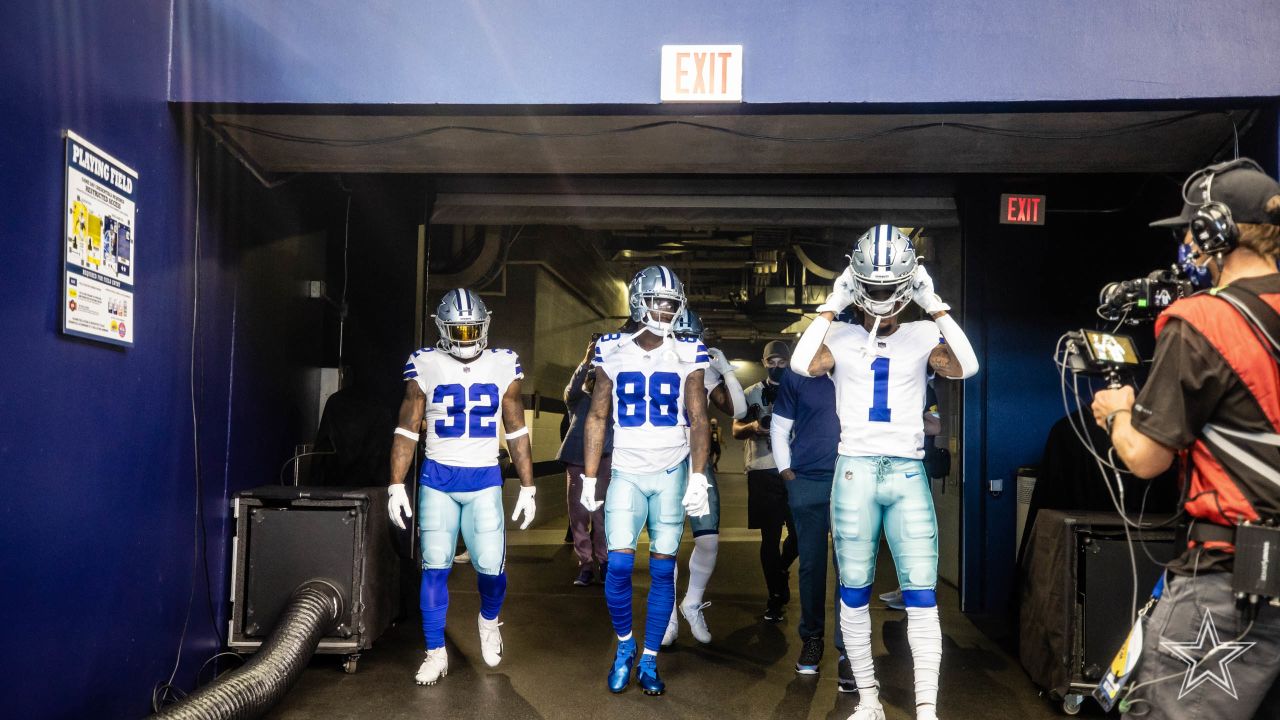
x=95, y=441
x=821, y=51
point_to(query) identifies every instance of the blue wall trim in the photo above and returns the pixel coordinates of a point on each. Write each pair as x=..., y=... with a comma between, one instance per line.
x=824, y=51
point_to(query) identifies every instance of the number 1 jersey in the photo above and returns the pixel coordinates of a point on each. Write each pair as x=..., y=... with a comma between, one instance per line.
x=649, y=426
x=880, y=396
x=464, y=403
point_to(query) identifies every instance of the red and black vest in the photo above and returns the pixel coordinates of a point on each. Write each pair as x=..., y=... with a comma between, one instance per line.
x=1214, y=495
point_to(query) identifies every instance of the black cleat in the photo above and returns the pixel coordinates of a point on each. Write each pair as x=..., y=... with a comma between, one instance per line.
x=810, y=656
x=846, y=683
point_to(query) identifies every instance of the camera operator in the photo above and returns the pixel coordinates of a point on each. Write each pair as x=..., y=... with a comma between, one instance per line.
x=1213, y=400
x=767, y=507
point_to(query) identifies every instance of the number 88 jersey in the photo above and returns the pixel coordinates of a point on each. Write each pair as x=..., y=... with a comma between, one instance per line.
x=880, y=397
x=649, y=420
x=463, y=403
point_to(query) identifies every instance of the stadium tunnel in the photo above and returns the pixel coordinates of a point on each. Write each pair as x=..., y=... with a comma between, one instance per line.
x=314, y=213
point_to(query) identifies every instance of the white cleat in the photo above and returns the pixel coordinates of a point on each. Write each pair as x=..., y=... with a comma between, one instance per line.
x=433, y=668
x=697, y=623
x=490, y=640
x=866, y=712
x=673, y=629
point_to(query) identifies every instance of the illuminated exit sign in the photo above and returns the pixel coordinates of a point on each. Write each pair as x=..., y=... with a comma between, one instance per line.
x=1022, y=209
x=701, y=73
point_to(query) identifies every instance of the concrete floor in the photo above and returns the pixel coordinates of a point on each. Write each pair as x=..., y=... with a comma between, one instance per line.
x=559, y=647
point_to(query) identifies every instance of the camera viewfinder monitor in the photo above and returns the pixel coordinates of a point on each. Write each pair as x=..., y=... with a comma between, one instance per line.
x=1114, y=350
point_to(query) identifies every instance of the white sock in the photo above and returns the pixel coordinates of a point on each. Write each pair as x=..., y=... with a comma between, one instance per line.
x=924, y=634
x=675, y=577
x=855, y=623
x=624, y=638
x=701, y=564
x=647, y=651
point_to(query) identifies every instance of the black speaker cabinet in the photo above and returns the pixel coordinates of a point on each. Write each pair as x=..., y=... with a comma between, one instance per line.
x=1076, y=594
x=286, y=536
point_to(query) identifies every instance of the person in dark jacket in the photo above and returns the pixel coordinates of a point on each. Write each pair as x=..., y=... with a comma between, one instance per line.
x=586, y=527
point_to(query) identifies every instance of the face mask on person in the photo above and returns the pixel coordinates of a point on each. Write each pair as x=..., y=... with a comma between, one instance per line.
x=776, y=373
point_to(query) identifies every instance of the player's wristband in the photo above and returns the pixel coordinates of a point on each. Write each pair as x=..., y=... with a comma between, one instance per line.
x=518, y=433
x=406, y=433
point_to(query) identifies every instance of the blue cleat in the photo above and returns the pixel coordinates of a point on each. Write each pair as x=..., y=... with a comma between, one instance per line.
x=647, y=676
x=620, y=675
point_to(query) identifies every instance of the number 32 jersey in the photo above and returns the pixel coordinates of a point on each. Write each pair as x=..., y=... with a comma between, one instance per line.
x=880, y=396
x=649, y=427
x=464, y=403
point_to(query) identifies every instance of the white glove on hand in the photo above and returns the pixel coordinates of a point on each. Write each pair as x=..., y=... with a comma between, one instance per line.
x=526, y=505
x=588, y=498
x=841, y=295
x=719, y=362
x=696, y=500
x=398, y=502
x=923, y=294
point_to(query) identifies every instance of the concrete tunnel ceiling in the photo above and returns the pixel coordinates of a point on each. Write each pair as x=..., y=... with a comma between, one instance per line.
x=1036, y=142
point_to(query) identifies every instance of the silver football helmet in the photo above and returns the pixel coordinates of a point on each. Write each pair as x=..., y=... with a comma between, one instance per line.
x=688, y=324
x=656, y=297
x=463, y=322
x=883, y=265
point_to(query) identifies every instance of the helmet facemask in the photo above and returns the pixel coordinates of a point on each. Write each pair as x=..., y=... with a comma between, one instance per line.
x=883, y=299
x=660, y=311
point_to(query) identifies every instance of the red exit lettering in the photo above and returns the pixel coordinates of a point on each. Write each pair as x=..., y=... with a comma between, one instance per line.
x=1022, y=209
x=704, y=70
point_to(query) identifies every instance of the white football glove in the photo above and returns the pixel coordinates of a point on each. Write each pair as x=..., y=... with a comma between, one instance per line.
x=841, y=295
x=696, y=500
x=526, y=505
x=923, y=294
x=398, y=502
x=719, y=362
x=588, y=498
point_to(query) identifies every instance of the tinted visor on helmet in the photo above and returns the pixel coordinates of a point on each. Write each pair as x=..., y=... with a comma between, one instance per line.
x=465, y=333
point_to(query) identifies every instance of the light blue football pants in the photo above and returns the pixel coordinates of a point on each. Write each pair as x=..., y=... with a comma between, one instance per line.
x=871, y=492
x=634, y=501
x=478, y=514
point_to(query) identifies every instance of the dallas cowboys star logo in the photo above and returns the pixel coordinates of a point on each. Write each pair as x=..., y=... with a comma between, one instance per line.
x=1217, y=657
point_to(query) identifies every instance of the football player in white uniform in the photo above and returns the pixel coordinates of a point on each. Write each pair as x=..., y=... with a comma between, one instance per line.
x=654, y=383
x=725, y=392
x=880, y=369
x=459, y=387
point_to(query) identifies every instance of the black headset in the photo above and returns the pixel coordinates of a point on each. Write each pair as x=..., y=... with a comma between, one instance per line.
x=1213, y=229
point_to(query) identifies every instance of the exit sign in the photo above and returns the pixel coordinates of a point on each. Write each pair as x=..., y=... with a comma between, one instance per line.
x=1022, y=209
x=701, y=73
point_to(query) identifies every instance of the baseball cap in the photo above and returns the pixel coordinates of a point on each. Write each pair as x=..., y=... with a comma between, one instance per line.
x=776, y=348
x=1239, y=184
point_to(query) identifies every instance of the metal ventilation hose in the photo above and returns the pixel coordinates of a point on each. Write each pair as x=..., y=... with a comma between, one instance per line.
x=251, y=690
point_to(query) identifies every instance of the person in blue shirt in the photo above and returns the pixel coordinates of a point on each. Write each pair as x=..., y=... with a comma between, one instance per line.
x=805, y=432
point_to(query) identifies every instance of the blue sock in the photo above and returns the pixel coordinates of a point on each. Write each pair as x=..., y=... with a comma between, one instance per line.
x=433, y=598
x=493, y=589
x=617, y=590
x=662, y=599
x=919, y=598
x=856, y=597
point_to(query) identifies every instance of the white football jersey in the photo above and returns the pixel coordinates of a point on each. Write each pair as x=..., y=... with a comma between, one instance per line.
x=880, y=396
x=649, y=420
x=464, y=403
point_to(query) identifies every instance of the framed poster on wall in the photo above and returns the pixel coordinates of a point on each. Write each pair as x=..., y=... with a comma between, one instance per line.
x=99, y=251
